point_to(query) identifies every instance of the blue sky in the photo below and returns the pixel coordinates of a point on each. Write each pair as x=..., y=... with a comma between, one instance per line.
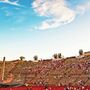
x=44, y=27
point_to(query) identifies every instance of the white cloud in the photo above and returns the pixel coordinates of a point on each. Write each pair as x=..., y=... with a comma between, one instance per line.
x=81, y=9
x=57, y=12
x=15, y=3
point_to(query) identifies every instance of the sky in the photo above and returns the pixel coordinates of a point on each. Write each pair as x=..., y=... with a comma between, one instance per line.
x=43, y=27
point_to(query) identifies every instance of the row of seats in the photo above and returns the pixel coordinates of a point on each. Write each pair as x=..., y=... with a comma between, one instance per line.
x=47, y=88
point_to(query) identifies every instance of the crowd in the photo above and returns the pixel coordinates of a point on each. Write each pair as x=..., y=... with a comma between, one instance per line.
x=71, y=71
x=57, y=72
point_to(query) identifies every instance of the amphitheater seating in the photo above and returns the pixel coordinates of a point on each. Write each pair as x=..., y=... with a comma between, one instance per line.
x=51, y=72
